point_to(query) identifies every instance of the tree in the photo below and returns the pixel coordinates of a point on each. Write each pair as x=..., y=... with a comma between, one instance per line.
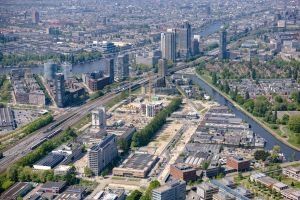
x=294, y=123
x=205, y=165
x=247, y=96
x=214, y=78
x=261, y=155
x=253, y=74
x=88, y=172
x=275, y=154
x=153, y=184
x=226, y=87
x=135, y=195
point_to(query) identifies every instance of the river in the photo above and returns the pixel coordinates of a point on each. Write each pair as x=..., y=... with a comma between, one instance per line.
x=271, y=141
x=76, y=69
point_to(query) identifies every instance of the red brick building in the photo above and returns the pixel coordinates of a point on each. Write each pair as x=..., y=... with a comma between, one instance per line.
x=238, y=163
x=182, y=171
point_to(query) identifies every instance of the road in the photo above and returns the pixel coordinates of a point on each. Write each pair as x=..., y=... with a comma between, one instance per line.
x=66, y=120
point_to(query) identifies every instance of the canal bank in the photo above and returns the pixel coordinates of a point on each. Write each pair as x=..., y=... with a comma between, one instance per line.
x=257, y=126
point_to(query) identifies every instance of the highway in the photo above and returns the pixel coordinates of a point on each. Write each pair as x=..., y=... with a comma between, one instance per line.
x=61, y=123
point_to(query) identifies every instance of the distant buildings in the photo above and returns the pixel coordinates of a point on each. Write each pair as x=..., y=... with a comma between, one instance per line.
x=122, y=68
x=110, y=70
x=107, y=47
x=35, y=17
x=60, y=90
x=96, y=80
x=168, y=45
x=26, y=88
x=223, y=45
x=184, y=40
x=102, y=154
x=174, y=190
x=162, y=67
x=67, y=69
x=50, y=69
x=99, y=118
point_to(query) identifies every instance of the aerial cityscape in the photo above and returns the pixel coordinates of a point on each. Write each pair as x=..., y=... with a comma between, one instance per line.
x=150, y=99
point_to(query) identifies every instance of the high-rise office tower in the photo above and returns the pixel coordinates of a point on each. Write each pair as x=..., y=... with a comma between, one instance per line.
x=102, y=154
x=60, y=90
x=174, y=190
x=110, y=69
x=50, y=69
x=67, y=69
x=122, y=67
x=184, y=40
x=99, y=118
x=35, y=17
x=168, y=45
x=162, y=67
x=223, y=45
x=195, y=47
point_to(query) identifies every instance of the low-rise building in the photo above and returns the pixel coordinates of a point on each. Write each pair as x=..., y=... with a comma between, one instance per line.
x=182, y=171
x=292, y=172
x=238, y=163
x=73, y=193
x=206, y=191
x=174, y=190
x=53, y=187
x=136, y=165
x=291, y=194
x=19, y=189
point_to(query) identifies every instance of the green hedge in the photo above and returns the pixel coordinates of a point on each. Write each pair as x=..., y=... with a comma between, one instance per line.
x=143, y=137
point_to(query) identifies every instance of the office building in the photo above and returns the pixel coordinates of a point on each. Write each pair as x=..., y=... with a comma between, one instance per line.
x=102, y=154
x=184, y=40
x=238, y=163
x=50, y=69
x=174, y=190
x=162, y=67
x=168, y=45
x=195, y=47
x=35, y=17
x=223, y=45
x=99, y=118
x=181, y=171
x=67, y=70
x=60, y=90
x=107, y=47
x=122, y=71
x=207, y=190
x=110, y=70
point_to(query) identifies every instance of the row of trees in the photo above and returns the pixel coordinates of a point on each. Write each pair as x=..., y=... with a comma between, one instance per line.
x=19, y=171
x=78, y=57
x=37, y=124
x=143, y=137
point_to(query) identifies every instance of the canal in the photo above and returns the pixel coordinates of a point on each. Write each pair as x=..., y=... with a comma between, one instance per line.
x=271, y=141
